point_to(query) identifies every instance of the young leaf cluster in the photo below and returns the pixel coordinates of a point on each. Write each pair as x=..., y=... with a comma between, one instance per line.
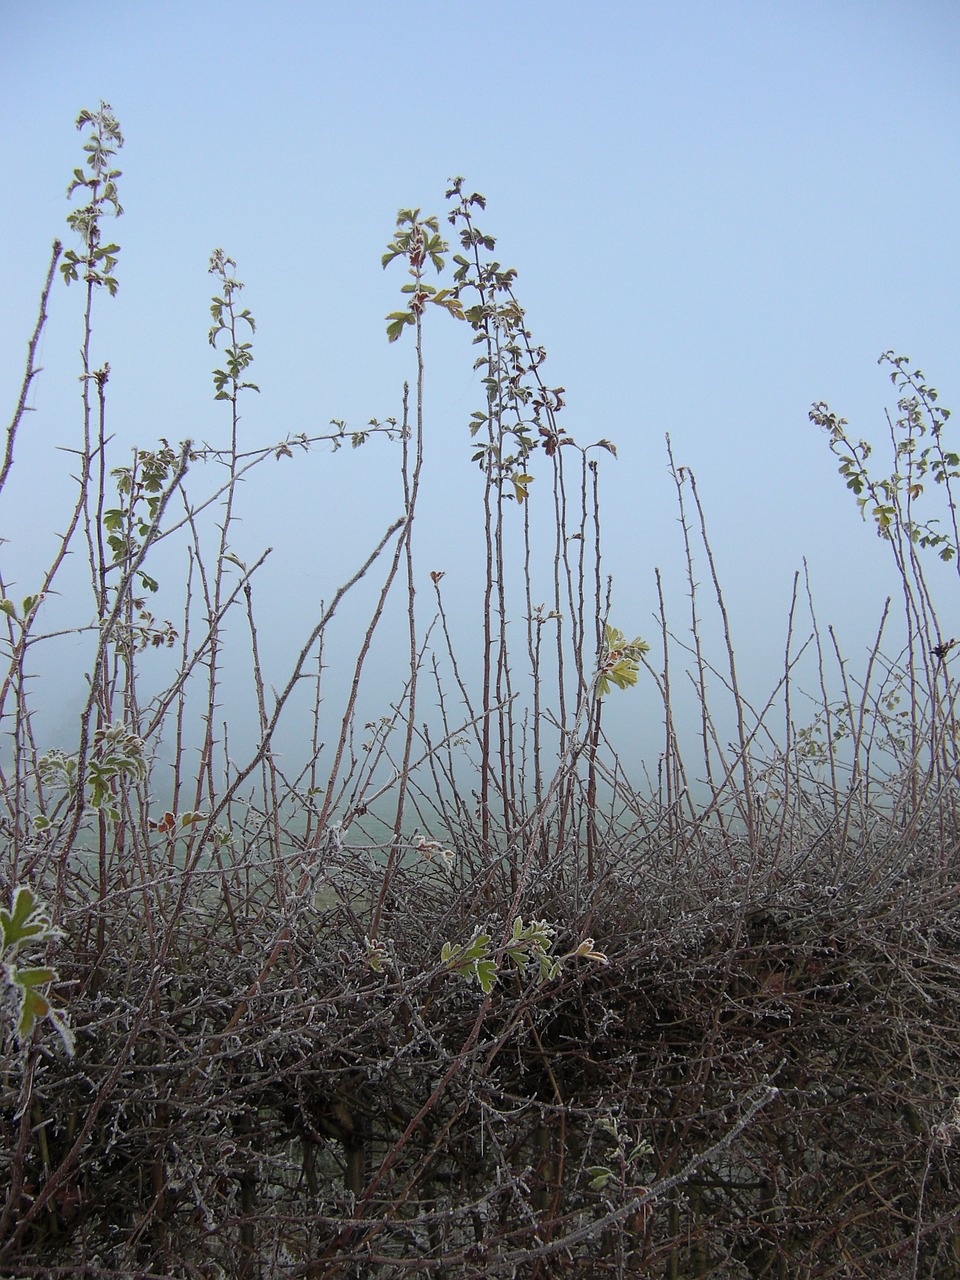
x=623, y=1158
x=418, y=239
x=118, y=759
x=473, y=962
x=24, y=924
x=173, y=824
x=140, y=488
x=28, y=605
x=919, y=456
x=98, y=261
x=528, y=948
x=520, y=413
x=619, y=661
x=226, y=317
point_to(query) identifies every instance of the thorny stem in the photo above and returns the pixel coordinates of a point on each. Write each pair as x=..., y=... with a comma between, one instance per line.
x=31, y=370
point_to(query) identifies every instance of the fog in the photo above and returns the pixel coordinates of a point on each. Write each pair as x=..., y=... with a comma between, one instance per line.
x=719, y=214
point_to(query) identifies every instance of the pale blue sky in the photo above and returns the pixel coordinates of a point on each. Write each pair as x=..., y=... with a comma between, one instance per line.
x=720, y=212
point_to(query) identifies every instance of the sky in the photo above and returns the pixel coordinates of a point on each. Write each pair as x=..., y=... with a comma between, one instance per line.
x=720, y=213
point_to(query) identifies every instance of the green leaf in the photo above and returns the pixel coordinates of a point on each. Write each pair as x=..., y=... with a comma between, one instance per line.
x=472, y=961
x=486, y=973
x=521, y=486
x=600, y=1176
x=32, y=1006
x=24, y=920
x=398, y=321
x=477, y=947
x=620, y=661
x=450, y=302
x=33, y=977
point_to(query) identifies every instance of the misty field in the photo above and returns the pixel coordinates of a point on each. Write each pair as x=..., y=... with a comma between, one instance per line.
x=458, y=992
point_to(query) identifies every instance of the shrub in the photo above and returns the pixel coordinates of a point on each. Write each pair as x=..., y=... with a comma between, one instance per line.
x=455, y=997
